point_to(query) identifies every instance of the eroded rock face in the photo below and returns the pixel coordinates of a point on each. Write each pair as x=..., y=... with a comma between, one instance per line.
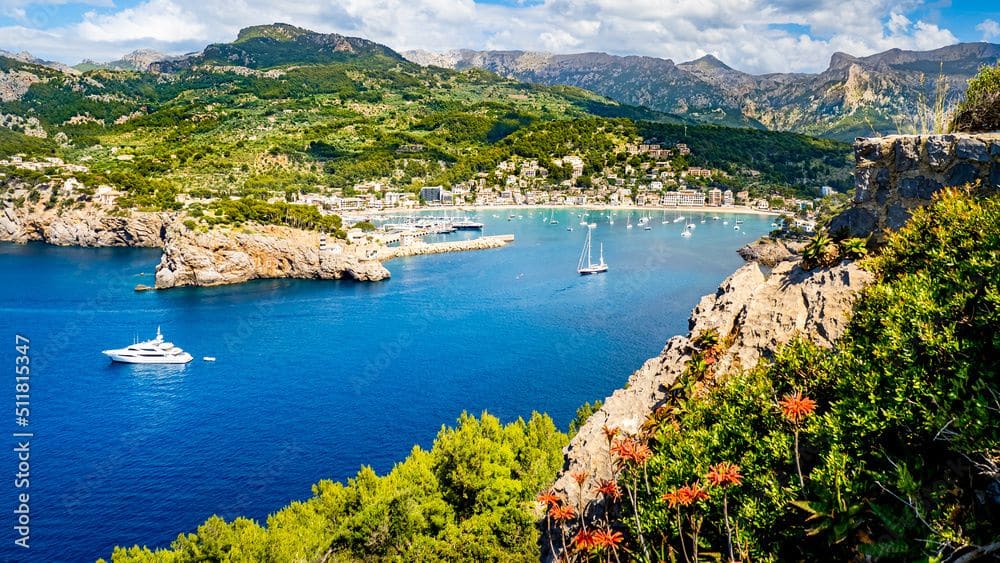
x=221, y=257
x=758, y=309
x=769, y=252
x=82, y=227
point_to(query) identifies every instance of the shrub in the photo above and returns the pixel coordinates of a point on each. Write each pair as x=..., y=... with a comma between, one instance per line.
x=468, y=498
x=980, y=110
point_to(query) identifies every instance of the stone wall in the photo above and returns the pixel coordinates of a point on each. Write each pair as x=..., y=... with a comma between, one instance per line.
x=897, y=173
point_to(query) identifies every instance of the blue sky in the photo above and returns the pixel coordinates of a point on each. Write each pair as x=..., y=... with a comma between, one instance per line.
x=750, y=35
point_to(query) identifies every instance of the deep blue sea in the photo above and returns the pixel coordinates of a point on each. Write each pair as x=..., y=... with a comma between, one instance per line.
x=312, y=378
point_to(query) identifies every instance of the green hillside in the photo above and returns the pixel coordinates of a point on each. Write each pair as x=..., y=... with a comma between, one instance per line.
x=283, y=110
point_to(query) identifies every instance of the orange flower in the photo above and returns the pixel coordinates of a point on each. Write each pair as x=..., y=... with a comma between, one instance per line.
x=584, y=541
x=795, y=408
x=610, y=433
x=725, y=474
x=631, y=450
x=609, y=488
x=579, y=476
x=608, y=538
x=549, y=499
x=686, y=495
x=562, y=512
x=671, y=499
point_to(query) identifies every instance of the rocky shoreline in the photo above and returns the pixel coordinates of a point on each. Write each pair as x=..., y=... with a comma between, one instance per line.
x=219, y=256
x=227, y=256
x=90, y=226
x=771, y=299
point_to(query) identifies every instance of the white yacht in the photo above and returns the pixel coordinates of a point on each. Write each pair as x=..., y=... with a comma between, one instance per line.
x=468, y=225
x=589, y=267
x=154, y=351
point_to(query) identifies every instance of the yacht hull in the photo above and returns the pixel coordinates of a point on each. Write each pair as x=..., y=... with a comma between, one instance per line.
x=118, y=356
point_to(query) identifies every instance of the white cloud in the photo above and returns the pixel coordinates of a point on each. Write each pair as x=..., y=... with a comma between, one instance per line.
x=990, y=29
x=898, y=23
x=157, y=20
x=743, y=33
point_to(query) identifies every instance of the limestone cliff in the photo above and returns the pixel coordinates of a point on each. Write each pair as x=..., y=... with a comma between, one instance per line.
x=756, y=309
x=89, y=226
x=225, y=256
x=220, y=256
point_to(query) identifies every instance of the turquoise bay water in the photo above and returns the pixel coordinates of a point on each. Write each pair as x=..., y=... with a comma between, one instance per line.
x=314, y=379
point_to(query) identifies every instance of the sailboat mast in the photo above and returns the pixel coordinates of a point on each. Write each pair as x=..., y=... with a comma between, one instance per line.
x=590, y=261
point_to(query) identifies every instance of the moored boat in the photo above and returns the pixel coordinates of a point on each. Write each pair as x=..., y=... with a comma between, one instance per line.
x=155, y=351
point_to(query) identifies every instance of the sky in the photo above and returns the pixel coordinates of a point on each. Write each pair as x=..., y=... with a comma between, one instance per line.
x=755, y=36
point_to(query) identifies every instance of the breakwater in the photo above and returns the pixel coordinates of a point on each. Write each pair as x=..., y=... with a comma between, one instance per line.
x=419, y=248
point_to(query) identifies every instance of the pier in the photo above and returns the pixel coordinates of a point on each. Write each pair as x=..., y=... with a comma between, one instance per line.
x=418, y=247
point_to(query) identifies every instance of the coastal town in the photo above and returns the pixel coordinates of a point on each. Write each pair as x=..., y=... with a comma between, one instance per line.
x=653, y=176
x=646, y=175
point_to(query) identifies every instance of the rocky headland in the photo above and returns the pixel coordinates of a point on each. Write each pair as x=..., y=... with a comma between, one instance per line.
x=190, y=257
x=226, y=256
x=219, y=256
x=89, y=226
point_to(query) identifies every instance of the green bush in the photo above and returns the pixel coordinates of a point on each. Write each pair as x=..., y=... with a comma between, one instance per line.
x=980, y=110
x=469, y=498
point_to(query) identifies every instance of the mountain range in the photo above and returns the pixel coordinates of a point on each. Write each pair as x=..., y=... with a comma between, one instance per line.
x=889, y=92
x=895, y=91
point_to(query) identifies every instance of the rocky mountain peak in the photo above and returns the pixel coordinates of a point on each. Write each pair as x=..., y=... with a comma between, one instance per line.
x=140, y=59
x=841, y=60
x=707, y=62
x=276, y=31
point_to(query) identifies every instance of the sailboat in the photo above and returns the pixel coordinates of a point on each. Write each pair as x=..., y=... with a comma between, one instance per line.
x=590, y=267
x=628, y=223
x=552, y=218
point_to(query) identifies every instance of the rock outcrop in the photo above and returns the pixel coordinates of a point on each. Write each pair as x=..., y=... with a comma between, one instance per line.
x=772, y=299
x=770, y=251
x=89, y=226
x=220, y=256
x=757, y=309
x=224, y=256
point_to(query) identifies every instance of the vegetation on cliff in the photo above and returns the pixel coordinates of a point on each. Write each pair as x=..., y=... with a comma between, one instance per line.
x=980, y=110
x=471, y=497
x=885, y=446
